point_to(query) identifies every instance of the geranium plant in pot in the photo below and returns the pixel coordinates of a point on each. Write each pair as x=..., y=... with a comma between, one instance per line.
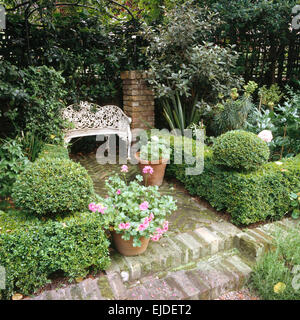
x=134, y=213
x=154, y=154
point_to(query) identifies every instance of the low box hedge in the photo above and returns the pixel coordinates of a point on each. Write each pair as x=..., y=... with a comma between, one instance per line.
x=33, y=248
x=53, y=185
x=249, y=197
x=30, y=255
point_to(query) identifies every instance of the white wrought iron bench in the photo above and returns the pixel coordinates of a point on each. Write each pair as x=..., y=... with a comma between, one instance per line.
x=89, y=119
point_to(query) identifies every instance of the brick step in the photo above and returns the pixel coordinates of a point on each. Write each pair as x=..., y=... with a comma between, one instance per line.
x=253, y=243
x=174, y=251
x=206, y=279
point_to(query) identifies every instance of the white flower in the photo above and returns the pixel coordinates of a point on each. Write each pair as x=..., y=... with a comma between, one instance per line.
x=266, y=135
x=278, y=163
x=154, y=138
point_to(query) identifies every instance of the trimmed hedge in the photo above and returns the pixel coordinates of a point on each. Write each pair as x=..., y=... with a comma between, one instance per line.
x=53, y=185
x=240, y=150
x=249, y=197
x=31, y=255
x=54, y=152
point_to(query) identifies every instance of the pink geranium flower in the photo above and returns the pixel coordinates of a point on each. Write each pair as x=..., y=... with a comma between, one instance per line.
x=92, y=207
x=124, y=168
x=166, y=225
x=266, y=135
x=144, y=206
x=159, y=231
x=124, y=225
x=146, y=221
x=127, y=225
x=101, y=208
x=118, y=191
x=148, y=169
x=151, y=217
x=155, y=238
x=142, y=227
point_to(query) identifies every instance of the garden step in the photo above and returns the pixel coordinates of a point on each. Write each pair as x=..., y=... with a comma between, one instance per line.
x=172, y=251
x=253, y=243
x=204, y=280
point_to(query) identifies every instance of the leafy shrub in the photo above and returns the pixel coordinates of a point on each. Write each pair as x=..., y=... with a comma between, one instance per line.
x=232, y=110
x=31, y=143
x=52, y=151
x=277, y=267
x=284, y=121
x=12, y=162
x=248, y=196
x=240, y=150
x=295, y=204
x=185, y=64
x=50, y=186
x=31, y=255
x=33, y=98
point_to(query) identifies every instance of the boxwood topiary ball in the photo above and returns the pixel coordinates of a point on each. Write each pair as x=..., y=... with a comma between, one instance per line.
x=240, y=150
x=53, y=186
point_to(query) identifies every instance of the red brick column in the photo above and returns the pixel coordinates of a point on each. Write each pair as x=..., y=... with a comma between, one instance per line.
x=138, y=99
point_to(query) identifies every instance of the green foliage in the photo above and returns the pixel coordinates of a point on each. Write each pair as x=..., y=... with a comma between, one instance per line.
x=240, y=150
x=184, y=63
x=232, y=110
x=249, y=197
x=34, y=96
x=31, y=255
x=12, y=219
x=123, y=206
x=268, y=22
x=50, y=186
x=12, y=162
x=231, y=115
x=155, y=149
x=284, y=122
x=295, y=204
x=88, y=48
x=178, y=115
x=31, y=143
x=270, y=97
x=279, y=266
x=44, y=87
x=54, y=152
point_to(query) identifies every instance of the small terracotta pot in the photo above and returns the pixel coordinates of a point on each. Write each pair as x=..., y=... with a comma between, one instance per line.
x=126, y=248
x=159, y=168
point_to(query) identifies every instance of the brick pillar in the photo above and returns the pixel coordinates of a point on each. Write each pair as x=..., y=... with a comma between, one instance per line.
x=138, y=99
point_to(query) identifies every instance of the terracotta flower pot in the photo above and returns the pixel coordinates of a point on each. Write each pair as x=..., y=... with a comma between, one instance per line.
x=126, y=248
x=159, y=168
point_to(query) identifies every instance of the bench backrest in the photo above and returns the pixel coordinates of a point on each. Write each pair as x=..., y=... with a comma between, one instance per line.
x=86, y=115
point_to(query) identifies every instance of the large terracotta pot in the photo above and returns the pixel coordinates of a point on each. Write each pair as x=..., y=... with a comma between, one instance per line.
x=126, y=248
x=159, y=168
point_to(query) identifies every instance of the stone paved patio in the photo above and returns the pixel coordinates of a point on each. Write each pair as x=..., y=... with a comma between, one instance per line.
x=203, y=257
